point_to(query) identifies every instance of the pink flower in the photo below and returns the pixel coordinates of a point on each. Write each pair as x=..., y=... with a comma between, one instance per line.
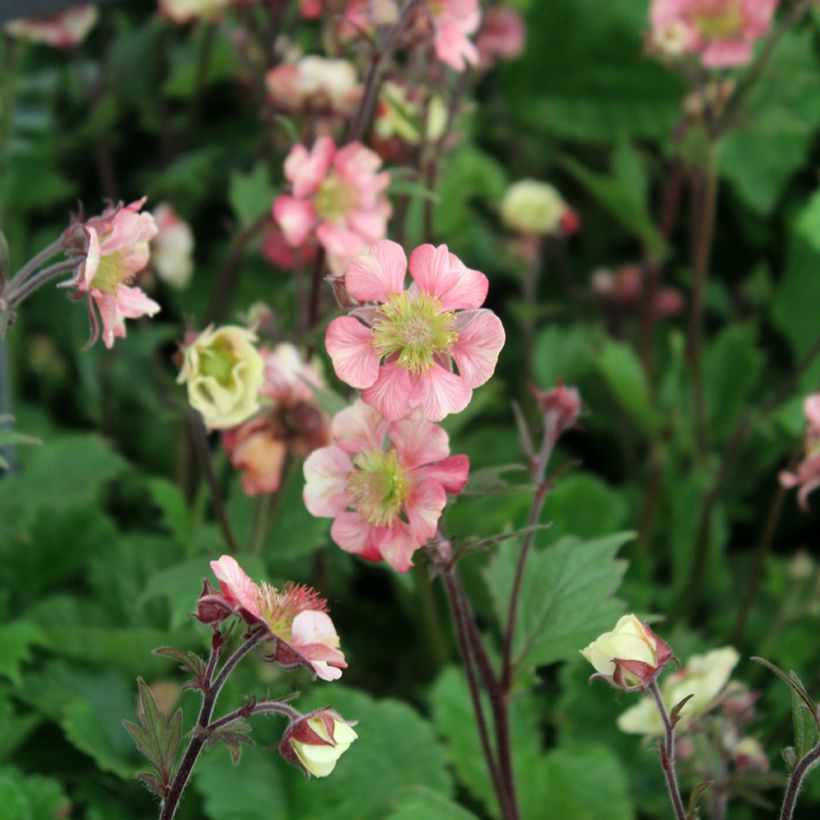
x=337, y=197
x=315, y=83
x=278, y=252
x=116, y=248
x=400, y=352
x=383, y=483
x=721, y=32
x=807, y=476
x=296, y=616
x=561, y=407
x=453, y=23
x=501, y=36
x=291, y=422
x=65, y=29
x=310, y=9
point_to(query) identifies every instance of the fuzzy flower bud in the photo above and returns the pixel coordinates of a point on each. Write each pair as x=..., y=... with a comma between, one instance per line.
x=536, y=209
x=316, y=741
x=561, y=407
x=629, y=657
x=224, y=372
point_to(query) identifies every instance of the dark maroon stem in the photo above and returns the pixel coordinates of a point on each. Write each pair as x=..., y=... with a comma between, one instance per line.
x=264, y=707
x=667, y=753
x=803, y=767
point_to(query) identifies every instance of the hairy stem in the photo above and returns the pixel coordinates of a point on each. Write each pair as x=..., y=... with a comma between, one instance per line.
x=803, y=767
x=264, y=707
x=36, y=262
x=667, y=753
x=19, y=293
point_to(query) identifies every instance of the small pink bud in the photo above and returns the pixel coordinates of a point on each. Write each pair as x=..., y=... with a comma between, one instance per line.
x=561, y=407
x=211, y=607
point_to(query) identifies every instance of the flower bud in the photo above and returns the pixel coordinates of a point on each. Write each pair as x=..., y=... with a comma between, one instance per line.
x=536, y=209
x=561, y=407
x=224, y=372
x=212, y=607
x=749, y=755
x=316, y=741
x=629, y=657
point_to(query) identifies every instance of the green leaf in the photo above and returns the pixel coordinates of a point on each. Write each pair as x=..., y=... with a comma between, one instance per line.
x=584, y=505
x=622, y=203
x=157, y=737
x=175, y=513
x=17, y=641
x=805, y=726
x=794, y=308
x=416, y=802
x=778, y=125
x=16, y=724
x=807, y=224
x=622, y=371
x=566, y=596
x=251, y=195
x=564, y=353
x=26, y=796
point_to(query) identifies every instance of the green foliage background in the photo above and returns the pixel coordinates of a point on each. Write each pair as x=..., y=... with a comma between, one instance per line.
x=105, y=530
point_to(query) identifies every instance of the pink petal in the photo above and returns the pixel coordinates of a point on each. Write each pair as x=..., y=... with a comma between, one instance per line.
x=312, y=627
x=451, y=473
x=308, y=170
x=236, y=585
x=88, y=268
x=295, y=218
x=391, y=393
x=424, y=506
x=348, y=342
x=371, y=226
x=133, y=303
x=480, y=339
x=438, y=392
x=326, y=471
x=373, y=276
x=358, y=427
x=353, y=534
x=338, y=240
x=418, y=442
x=397, y=546
x=442, y=274
x=811, y=409
x=726, y=53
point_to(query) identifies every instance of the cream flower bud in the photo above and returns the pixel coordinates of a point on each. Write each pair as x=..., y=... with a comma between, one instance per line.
x=317, y=741
x=630, y=656
x=533, y=208
x=224, y=372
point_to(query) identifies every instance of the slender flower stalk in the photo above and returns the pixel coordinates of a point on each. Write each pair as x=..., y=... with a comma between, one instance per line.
x=803, y=767
x=37, y=261
x=25, y=288
x=667, y=752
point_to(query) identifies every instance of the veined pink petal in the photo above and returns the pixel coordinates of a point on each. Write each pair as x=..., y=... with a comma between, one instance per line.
x=338, y=240
x=358, y=427
x=236, y=585
x=357, y=162
x=353, y=534
x=312, y=626
x=133, y=303
x=480, y=339
x=451, y=473
x=295, y=218
x=438, y=392
x=369, y=225
x=443, y=275
x=355, y=361
x=397, y=546
x=424, y=506
x=307, y=169
x=373, y=276
x=113, y=322
x=326, y=471
x=391, y=393
x=418, y=442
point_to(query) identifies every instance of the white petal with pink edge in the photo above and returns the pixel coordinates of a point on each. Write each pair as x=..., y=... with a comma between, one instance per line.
x=438, y=392
x=480, y=339
x=444, y=276
x=326, y=471
x=348, y=342
x=236, y=584
x=418, y=441
x=312, y=626
x=358, y=427
x=373, y=276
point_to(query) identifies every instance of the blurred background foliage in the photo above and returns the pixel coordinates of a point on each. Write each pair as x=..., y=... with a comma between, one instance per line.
x=105, y=531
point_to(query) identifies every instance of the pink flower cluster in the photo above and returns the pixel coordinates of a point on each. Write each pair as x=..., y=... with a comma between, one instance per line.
x=807, y=475
x=337, y=197
x=721, y=32
x=116, y=249
x=296, y=617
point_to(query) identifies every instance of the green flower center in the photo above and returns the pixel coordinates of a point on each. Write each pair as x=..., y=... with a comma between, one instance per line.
x=218, y=361
x=378, y=487
x=335, y=198
x=109, y=273
x=413, y=329
x=718, y=20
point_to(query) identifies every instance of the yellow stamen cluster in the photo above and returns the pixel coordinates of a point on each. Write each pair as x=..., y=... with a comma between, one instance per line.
x=335, y=198
x=378, y=487
x=718, y=21
x=414, y=328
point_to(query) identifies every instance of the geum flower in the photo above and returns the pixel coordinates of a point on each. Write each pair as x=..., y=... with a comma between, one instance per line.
x=316, y=741
x=296, y=616
x=116, y=249
x=629, y=657
x=454, y=21
x=338, y=197
x=721, y=32
x=400, y=352
x=807, y=474
x=384, y=484
x=291, y=422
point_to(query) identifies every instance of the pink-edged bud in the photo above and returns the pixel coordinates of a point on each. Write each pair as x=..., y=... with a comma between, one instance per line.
x=629, y=657
x=315, y=742
x=211, y=607
x=738, y=702
x=561, y=407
